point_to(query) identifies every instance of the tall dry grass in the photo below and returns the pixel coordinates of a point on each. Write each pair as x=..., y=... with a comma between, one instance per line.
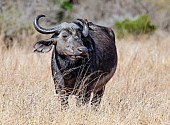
x=138, y=94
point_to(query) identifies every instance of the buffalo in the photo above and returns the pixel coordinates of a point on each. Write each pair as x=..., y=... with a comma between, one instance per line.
x=84, y=59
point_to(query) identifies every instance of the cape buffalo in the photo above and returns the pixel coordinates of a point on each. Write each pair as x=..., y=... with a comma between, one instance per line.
x=84, y=59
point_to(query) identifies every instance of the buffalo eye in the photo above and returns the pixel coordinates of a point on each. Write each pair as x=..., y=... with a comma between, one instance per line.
x=64, y=35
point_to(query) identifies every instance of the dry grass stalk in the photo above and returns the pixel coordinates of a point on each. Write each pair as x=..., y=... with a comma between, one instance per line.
x=139, y=93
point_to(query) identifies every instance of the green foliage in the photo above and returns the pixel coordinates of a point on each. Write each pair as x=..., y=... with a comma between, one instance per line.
x=65, y=8
x=142, y=25
x=64, y=4
x=67, y=5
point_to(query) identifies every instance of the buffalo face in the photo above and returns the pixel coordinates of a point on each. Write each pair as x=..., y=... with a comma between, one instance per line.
x=69, y=44
x=67, y=39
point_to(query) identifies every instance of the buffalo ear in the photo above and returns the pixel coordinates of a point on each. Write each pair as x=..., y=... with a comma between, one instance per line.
x=43, y=46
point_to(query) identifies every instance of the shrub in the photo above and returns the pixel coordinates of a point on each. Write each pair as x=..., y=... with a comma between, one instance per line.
x=67, y=5
x=142, y=25
x=65, y=9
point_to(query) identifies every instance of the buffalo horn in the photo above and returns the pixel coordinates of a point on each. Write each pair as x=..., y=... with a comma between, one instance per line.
x=54, y=29
x=85, y=27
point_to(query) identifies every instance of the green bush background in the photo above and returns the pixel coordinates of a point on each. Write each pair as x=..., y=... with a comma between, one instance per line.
x=142, y=25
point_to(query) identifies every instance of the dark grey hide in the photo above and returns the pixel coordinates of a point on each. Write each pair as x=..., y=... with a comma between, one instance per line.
x=84, y=59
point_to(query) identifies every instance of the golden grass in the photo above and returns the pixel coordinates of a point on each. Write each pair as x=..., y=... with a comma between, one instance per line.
x=138, y=94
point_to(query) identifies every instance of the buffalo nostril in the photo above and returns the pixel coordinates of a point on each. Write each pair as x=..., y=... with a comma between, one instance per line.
x=81, y=50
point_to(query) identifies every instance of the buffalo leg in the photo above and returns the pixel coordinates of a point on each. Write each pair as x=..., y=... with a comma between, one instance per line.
x=60, y=90
x=63, y=97
x=59, y=82
x=84, y=97
x=97, y=97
